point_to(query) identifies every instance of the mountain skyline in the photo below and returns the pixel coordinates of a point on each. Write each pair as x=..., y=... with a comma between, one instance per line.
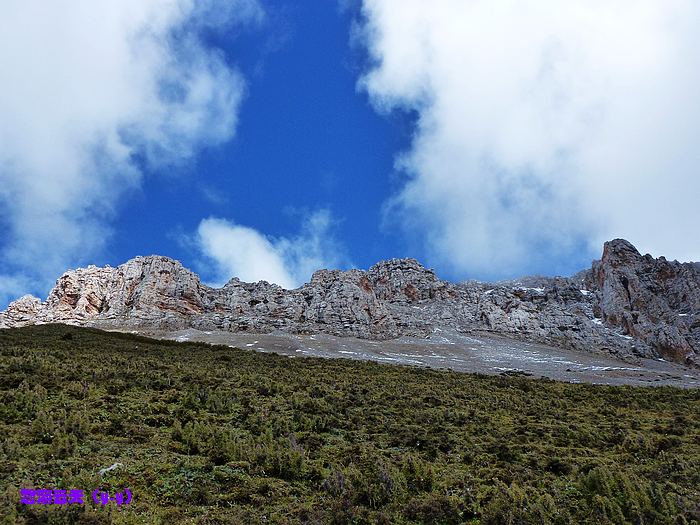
x=624, y=305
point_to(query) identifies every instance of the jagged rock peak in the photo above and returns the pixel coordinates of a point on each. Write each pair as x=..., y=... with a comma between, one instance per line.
x=620, y=252
x=625, y=304
x=653, y=300
x=406, y=263
x=619, y=246
x=24, y=310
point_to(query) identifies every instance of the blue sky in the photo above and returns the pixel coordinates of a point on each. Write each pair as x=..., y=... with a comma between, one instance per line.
x=306, y=140
x=266, y=139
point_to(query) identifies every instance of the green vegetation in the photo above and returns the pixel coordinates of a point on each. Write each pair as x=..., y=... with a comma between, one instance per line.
x=220, y=435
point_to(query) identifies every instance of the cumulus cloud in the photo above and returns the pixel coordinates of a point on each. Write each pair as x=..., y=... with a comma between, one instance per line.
x=543, y=128
x=232, y=250
x=91, y=93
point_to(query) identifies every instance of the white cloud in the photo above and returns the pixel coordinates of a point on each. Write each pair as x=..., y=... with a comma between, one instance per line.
x=89, y=92
x=543, y=127
x=238, y=251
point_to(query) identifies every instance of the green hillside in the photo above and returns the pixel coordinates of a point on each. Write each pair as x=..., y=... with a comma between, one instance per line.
x=220, y=435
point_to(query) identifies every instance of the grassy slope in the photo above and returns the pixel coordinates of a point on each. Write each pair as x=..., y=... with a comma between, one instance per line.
x=218, y=435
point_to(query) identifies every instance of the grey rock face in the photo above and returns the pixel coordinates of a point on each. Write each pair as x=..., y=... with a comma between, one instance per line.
x=626, y=305
x=652, y=300
x=25, y=310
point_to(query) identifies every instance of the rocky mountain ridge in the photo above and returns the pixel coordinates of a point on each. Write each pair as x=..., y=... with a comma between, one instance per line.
x=626, y=304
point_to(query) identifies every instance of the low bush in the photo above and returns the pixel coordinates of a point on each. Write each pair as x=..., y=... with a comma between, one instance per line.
x=219, y=435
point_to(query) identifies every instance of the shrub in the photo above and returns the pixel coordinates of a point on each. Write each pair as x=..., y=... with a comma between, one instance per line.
x=217, y=435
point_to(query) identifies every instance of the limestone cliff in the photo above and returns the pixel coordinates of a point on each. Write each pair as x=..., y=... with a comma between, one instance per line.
x=626, y=304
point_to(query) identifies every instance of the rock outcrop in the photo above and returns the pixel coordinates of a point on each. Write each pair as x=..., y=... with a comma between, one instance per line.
x=653, y=300
x=627, y=305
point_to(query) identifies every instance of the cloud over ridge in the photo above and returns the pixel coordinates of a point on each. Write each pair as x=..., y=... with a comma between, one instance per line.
x=544, y=128
x=91, y=92
x=232, y=250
